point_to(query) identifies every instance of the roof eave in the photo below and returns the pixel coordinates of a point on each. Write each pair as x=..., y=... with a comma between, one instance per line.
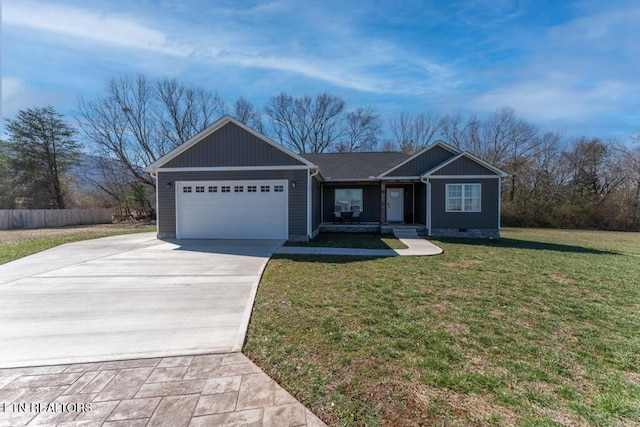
x=396, y=178
x=350, y=179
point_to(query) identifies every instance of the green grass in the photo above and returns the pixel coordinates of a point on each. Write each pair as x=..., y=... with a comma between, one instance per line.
x=539, y=328
x=32, y=241
x=353, y=240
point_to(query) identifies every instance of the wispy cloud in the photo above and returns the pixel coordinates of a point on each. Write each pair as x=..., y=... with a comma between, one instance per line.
x=85, y=25
x=488, y=13
x=557, y=63
x=352, y=60
x=580, y=72
x=549, y=100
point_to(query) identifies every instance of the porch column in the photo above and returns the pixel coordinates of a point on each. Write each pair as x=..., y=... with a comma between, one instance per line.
x=383, y=202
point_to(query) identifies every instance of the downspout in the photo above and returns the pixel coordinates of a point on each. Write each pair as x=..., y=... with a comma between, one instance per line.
x=154, y=175
x=426, y=182
x=499, y=201
x=309, y=211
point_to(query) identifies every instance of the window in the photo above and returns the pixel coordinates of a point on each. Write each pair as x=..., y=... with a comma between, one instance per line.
x=463, y=198
x=238, y=189
x=213, y=189
x=251, y=188
x=186, y=189
x=278, y=188
x=346, y=198
x=199, y=189
x=265, y=188
x=225, y=189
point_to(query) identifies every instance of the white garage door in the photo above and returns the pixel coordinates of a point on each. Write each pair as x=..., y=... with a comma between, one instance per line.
x=231, y=210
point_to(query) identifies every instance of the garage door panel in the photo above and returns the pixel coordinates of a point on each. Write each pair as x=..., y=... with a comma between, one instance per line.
x=234, y=214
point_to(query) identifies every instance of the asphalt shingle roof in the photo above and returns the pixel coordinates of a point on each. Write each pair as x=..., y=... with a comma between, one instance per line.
x=355, y=165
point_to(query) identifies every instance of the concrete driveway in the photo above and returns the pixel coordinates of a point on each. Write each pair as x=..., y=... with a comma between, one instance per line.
x=130, y=296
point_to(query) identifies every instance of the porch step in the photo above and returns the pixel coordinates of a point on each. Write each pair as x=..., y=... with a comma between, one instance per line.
x=405, y=233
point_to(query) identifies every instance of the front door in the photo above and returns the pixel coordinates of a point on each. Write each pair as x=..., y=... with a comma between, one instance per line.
x=395, y=205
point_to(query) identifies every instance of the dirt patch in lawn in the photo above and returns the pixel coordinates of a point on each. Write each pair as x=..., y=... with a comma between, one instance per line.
x=463, y=263
x=561, y=279
x=633, y=377
x=15, y=236
x=477, y=408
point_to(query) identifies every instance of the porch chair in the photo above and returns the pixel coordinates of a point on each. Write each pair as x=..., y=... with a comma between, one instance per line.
x=355, y=217
x=337, y=214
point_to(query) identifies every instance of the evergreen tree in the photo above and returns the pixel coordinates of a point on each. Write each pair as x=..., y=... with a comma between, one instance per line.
x=42, y=150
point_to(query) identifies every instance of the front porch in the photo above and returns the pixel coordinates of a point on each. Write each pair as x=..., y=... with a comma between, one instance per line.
x=370, y=227
x=397, y=203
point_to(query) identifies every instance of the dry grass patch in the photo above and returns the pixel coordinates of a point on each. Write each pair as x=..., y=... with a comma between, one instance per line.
x=18, y=236
x=561, y=279
x=16, y=244
x=472, y=409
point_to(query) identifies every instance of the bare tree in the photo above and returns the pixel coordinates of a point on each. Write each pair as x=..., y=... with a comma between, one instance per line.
x=413, y=132
x=361, y=130
x=452, y=130
x=595, y=169
x=245, y=113
x=503, y=137
x=138, y=120
x=542, y=177
x=306, y=124
x=629, y=155
x=118, y=187
x=185, y=110
x=504, y=140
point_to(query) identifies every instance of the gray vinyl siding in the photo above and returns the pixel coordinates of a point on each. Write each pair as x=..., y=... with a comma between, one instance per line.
x=370, y=203
x=464, y=166
x=297, y=195
x=231, y=146
x=316, y=202
x=421, y=201
x=423, y=163
x=486, y=219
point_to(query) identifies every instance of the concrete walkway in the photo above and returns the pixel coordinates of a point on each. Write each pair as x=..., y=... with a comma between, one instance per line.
x=415, y=247
x=195, y=391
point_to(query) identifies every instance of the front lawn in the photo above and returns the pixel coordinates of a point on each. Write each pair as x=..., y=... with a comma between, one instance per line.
x=16, y=244
x=539, y=328
x=353, y=240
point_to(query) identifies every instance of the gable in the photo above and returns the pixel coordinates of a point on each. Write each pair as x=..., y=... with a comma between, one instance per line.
x=228, y=146
x=423, y=162
x=463, y=166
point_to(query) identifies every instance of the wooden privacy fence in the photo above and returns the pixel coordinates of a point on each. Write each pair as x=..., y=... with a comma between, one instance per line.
x=41, y=218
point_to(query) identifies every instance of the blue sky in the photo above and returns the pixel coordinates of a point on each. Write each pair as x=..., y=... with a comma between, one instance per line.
x=563, y=65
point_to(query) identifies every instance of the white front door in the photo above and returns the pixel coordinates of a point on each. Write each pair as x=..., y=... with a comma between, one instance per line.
x=395, y=205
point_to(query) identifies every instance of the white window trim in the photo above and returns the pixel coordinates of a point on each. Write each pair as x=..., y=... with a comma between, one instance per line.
x=446, y=198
